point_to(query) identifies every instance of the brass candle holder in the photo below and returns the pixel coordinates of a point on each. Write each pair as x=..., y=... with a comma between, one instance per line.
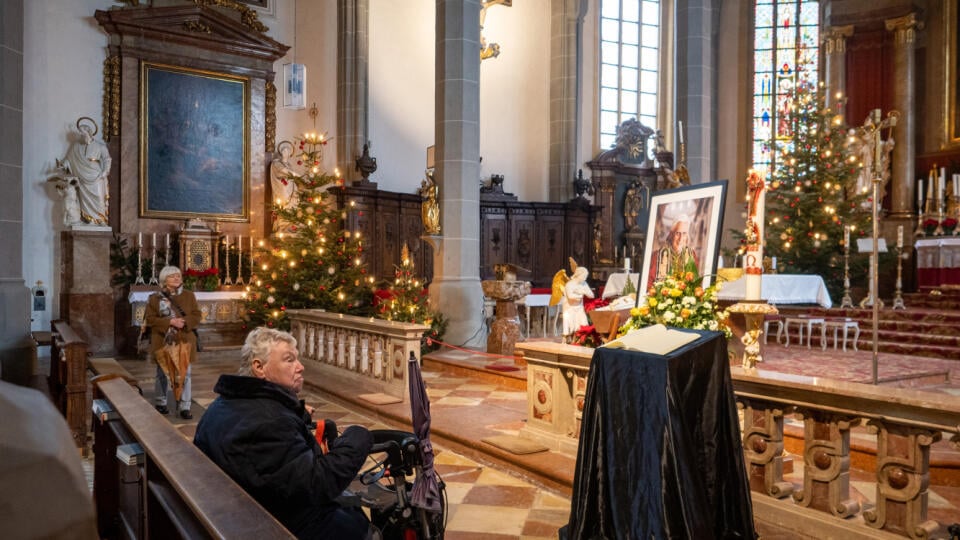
x=898, y=295
x=846, y=302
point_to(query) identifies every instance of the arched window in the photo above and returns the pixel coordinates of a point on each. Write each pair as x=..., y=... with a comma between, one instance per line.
x=785, y=50
x=629, y=64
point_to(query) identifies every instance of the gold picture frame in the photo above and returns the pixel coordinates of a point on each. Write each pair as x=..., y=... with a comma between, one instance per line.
x=194, y=144
x=951, y=22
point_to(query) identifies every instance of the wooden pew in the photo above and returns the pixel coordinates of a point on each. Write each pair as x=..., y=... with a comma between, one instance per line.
x=68, y=380
x=175, y=491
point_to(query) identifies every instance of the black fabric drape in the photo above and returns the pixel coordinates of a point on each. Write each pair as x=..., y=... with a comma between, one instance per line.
x=660, y=453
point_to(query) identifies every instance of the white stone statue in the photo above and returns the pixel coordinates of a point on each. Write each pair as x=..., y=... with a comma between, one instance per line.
x=71, y=205
x=281, y=177
x=574, y=314
x=87, y=166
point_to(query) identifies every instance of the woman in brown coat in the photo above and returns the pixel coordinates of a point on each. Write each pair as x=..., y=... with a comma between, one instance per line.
x=173, y=316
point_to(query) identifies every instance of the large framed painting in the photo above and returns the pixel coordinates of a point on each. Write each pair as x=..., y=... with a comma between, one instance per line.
x=194, y=144
x=683, y=232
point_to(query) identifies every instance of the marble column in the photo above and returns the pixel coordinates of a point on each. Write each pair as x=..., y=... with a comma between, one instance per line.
x=566, y=24
x=455, y=289
x=15, y=345
x=86, y=298
x=352, y=78
x=835, y=53
x=904, y=74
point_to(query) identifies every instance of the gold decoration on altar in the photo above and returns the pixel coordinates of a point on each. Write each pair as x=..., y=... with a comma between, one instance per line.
x=111, y=97
x=270, y=116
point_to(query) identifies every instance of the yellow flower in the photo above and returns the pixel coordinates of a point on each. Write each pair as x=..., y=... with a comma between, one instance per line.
x=635, y=312
x=676, y=293
x=652, y=301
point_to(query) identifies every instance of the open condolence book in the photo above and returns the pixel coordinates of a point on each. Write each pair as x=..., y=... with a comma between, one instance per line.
x=654, y=339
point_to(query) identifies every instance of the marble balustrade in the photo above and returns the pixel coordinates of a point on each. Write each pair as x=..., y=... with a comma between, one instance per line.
x=905, y=423
x=372, y=352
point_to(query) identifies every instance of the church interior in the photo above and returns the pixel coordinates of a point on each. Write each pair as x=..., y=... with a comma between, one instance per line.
x=481, y=194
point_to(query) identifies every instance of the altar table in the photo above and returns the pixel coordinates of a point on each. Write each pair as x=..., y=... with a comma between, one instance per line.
x=938, y=261
x=660, y=453
x=215, y=306
x=781, y=289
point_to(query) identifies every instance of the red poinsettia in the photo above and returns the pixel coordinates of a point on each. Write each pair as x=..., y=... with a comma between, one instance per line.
x=587, y=336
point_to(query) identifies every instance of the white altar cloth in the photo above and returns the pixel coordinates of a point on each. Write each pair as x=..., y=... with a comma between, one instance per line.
x=781, y=289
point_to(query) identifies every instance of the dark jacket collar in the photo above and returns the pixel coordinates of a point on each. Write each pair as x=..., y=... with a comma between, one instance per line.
x=243, y=387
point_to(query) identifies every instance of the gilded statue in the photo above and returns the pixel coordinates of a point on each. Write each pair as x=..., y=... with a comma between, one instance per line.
x=430, y=207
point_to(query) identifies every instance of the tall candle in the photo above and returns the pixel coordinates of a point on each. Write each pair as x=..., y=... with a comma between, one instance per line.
x=846, y=236
x=753, y=260
x=153, y=241
x=626, y=264
x=680, y=131
x=943, y=182
x=920, y=195
x=899, y=236
x=140, y=239
x=168, y=241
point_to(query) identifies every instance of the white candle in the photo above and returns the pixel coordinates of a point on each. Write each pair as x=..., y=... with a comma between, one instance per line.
x=680, y=131
x=753, y=260
x=943, y=182
x=846, y=236
x=168, y=241
x=932, y=182
x=956, y=185
x=153, y=241
x=140, y=239
x=920, y=195
x=626, y=264
x=899, y=236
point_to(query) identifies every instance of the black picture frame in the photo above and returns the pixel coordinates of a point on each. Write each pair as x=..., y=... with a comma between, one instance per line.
x=194, y=144
x=701, y=205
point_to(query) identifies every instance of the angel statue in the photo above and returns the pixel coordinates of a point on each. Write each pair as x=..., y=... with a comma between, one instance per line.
x=569, y=292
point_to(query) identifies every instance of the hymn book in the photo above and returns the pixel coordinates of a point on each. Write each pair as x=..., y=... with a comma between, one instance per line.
x=103, y=410
x=654, y=339
x=130, y=454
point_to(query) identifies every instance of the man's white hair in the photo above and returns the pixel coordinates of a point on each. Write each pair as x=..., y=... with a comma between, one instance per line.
x=259, y=344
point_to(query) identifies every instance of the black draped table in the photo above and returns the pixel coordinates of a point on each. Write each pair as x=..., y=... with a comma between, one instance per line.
x=660, y=453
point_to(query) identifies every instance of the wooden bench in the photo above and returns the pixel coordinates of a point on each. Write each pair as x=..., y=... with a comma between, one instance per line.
x=174, y=491
x=68, y=380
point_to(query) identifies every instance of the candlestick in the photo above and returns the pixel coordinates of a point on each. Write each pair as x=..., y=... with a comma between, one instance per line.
x=139, y=239
x=153, y=241
x=847, y=301
x=943, y=182
x=166, y=252
x=153, y=259
x=920, y=195
x=846, y=235
x=239, y=280
x=898, y=295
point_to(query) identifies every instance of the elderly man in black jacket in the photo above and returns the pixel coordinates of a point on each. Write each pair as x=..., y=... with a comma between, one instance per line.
x=259, y=433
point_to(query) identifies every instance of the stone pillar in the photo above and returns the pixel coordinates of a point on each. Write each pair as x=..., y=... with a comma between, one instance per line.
x=353, y=18
x=835, y=53
x=696, y=84
x=15, y=345
x=455, y=289
x=86, y=298
x=566, y=24
x=902, y=179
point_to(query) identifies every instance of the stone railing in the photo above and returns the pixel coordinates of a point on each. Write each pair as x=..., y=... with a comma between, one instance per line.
x=904, y=422
x=372, y=353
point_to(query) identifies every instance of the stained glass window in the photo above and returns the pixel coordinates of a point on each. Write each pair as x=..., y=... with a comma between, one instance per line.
x=629, y=64
x=785, y=50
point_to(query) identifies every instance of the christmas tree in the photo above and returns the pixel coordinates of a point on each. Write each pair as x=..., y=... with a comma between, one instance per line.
x=406, y=301
x=813, y=192
x=312, y=260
